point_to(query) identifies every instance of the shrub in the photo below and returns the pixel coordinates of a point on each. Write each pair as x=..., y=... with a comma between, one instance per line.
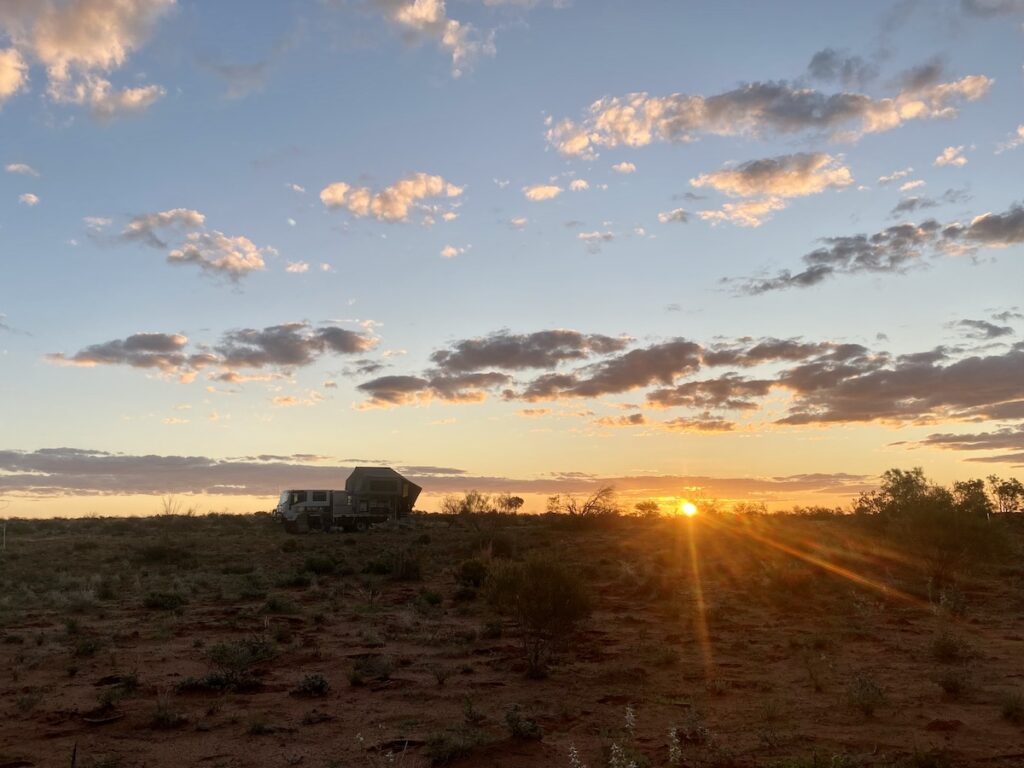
x=948, y=648
x=290, y=545
x=545, y=599
x=313, y=686
x=369, y=669
x=865, y=694
x=520, y=727
x=406, y=566
x=165, y=717
x=471, y=573
x=297, y=580
x=321, y=565
x=163, y=601
x=448, y=746
x=954, y=682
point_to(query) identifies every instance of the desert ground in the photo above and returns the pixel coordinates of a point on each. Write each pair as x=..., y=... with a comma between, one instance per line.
x=717, y=640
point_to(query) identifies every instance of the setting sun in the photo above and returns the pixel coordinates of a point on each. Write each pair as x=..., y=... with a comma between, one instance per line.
x=688, y=508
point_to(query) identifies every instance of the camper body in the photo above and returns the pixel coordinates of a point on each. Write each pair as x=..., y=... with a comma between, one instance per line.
x=371, y=495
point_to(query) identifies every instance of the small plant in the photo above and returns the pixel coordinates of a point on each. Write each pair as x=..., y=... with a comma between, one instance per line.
x=471, y=714
x=321, y=565
x=471, y=573
x=313, y=686
x=165, y=716
x=448, y=746
x=368, y=669
x=947, y=648
x=441, y=674
x=163, y=601
x=954, y=682
x=865, y=694
x=675, y=749
x=521, y=727
x=574, y=758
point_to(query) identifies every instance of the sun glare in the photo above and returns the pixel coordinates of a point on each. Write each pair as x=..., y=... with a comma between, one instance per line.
x=688, y=508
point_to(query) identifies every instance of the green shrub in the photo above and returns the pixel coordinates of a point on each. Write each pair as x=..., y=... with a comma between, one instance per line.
x=448, y=746
x=865, y=694
x=521, y=727
x=313, y=686
x=163, y=601
x=368, y=669
x=545, y=599
x=321, y=565
x=471, y=573
x=948, y=648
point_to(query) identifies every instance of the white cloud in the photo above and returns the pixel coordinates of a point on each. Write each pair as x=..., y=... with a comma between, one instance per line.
x=624, y=167
x=28, y=199
x=676, y=214
x=541, y=192
x=794, y=175
x=951, y=156
x=502, y=183
x=749, y=213
x=518, y=222
x=291, y=222
x=915, y=184
x=895, y=176
x=13, y=73
x=451, y=251
x=297, y=267
x=1015, y=140
x=780, y=107
x=79, y=43
x=22, y=168
x=325, y=267
x=233, y=257
x=391, y=203
x=579, y=185
x=428, y=19
x=594, y=240
x=296, y=188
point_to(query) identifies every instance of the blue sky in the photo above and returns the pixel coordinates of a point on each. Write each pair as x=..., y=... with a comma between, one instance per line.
x=136, y=130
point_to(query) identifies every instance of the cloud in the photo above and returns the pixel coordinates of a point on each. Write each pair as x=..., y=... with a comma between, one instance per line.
x=79, y=43
x=518, y=222
x=428, y=20
x=794, y=175
x=540, y=192
x=281, y=346
x=951, y=156
x=144, y=228
x=895, y=176
x=299, y=190
x=777, y=107
x=750, y=213
x=831, y=66
x=22, y=168
x=392, y=203
x=388, y=391
x=217, y=253
x=13, y=73
x=594, y=240
x=704, y=423
x=728, y=392
x=76, y=472
x=1008, y=442
x=894, y=249
x=579, y=185
x=982, y=329
x=992, y=7
x=907, y=186
x=676, y=214
x=512, y=351
x=630, y=420
x=916, y=202
x=451, y=251
x=1015, y=140
x=624, y=167
x=28, y=199
x=297, y=267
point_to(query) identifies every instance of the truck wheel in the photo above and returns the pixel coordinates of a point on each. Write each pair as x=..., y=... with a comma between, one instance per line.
x=361, y=525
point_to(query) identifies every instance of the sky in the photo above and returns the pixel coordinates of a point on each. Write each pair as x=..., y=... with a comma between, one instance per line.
x=743, y=251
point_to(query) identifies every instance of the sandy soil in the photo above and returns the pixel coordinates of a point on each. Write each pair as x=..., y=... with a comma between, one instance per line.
x=762, y=642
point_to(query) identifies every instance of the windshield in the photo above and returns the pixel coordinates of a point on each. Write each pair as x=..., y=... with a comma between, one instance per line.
x=284, y=498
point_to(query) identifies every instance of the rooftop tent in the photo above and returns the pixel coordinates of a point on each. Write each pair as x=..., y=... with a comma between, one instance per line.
x=383, y=483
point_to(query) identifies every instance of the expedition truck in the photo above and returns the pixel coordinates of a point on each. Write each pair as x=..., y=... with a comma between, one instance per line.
x=371, y=495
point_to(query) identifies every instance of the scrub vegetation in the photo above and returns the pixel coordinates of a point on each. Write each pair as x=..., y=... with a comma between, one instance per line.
x=889, y=634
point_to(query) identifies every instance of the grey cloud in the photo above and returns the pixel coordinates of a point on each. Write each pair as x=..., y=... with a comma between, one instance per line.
x=404, y=390
x=164, y=351
x=543, y=349
x=982, y=329
x=703, y=423
x=71, y=471
x=920, y=202
x=992, y=7
x=729, y=392
x=830, y=65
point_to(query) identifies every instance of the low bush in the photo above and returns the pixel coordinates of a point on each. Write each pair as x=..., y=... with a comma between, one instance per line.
x=163, y=601
x=313, y=686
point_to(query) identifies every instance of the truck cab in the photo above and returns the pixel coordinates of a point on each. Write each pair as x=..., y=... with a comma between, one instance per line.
x=306, y=509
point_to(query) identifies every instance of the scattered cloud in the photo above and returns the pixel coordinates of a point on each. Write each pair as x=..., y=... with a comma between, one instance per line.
x=992, y=7
x=28, y=199
x=983, y=329
x=594, y=240
x=296, y=188
x=518, y=222
x=624, y=167
x=917, y=202
x=793, y=175
x=297, y=267
x=79, y=44
x=779, y=107
x=907, y=186
x=1013, y=141
x=579, y=185
x=451, y=251
x=512, y=351
x=951, y=156
x=832, y=66
x=144, y=228
x=392, y=203
x=895, y=176
x=540, y=192
x=750, y=213
x=676, y=214
x=217, y=253
x=428, y=20
x=22, y=168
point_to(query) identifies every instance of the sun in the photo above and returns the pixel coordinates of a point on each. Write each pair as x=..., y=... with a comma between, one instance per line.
x=688, y=508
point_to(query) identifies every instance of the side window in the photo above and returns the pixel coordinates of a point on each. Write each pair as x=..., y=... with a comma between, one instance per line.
x=320, y=496
x=299, y=497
